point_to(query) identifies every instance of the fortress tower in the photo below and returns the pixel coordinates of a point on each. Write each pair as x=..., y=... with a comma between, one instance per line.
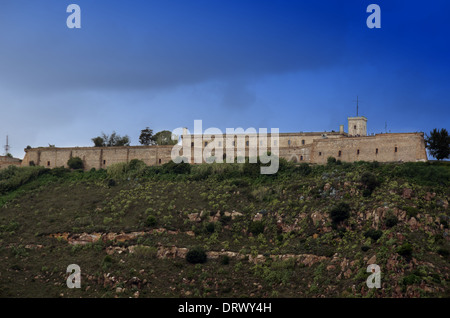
x=357, y=126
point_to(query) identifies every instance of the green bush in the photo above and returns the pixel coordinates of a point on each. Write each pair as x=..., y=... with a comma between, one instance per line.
x=373, y=234
x=150, y=221
x=443, y=251
x=391, y=220
x=331, y=160
x=210, y=227
x=340, y=212
x=13, y=177
x=405, y=250
x=411, y=279
x=256, y=227
x=369, y=181
x=75, y=163
x=197, y=255
x=225, y=260
x=411, y=211
x=176, y=168
x=304, y=169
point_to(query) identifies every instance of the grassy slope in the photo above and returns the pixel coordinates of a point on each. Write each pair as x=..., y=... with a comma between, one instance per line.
x=294, y=207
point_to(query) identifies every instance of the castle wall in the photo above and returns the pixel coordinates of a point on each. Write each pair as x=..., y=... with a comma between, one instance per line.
x=381, y=147
x=5, y=162
x=97, y=157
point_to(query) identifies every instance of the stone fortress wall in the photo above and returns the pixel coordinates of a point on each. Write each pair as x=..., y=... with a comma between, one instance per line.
x=309, y=147
x=6, y=161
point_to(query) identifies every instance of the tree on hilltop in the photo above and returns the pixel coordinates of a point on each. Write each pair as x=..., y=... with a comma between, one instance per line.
x=113, y=140
x=164, y=138
x=146, y=137
x=438, y=143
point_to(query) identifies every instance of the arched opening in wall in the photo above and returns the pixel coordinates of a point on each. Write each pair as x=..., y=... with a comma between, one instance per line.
x=395, y=150
x=159, y=160
x=104, y=162
x=303, y=141
x=376, y=151
x=48, y=163
x=301, y=158
x=340, y=153
x=357, y=152
x=293, y=159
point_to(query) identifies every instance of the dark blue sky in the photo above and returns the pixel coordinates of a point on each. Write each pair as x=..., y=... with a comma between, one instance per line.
x=292, y=65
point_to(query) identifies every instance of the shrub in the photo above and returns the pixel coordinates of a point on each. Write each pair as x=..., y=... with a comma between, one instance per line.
x=411, y=211
x=405, y=250
x=107, y=262
x=443, y=251
x=75, y=163
x=136, y=164
x=304, y=169
x=340, y=212
x=177, y=168
x=150, y=221
x=13, y=177
x=331, y=160
x=256, y=227
x=373, y=234
x=225, y=260
x=197, y=255
x=391, y=220
x=411, y=279
x=59, y=172
x=369, y=182
x=210, y=227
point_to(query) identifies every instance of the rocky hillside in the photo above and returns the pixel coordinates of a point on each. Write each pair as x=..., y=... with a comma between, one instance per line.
x=224, y=230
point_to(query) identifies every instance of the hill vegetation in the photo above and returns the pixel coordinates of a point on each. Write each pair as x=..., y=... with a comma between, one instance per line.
x=224, y=230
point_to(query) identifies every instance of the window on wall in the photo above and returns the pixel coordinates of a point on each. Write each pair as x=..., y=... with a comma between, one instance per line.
x=376, y=151
x=246, y=143
x=354, y=126
x=395, y=149
x=340, y=153
x=192, y=144
x=301, y=157
x=104, y=162
x=320, y=153
x=357, y=152
x=48, y=163
x=206, y=143
x=303, y=141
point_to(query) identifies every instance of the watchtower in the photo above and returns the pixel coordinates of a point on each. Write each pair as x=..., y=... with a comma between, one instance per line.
x=357, y=126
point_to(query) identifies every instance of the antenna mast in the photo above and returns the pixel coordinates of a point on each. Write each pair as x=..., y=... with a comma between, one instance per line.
x=7, y=146
x=357, y=106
